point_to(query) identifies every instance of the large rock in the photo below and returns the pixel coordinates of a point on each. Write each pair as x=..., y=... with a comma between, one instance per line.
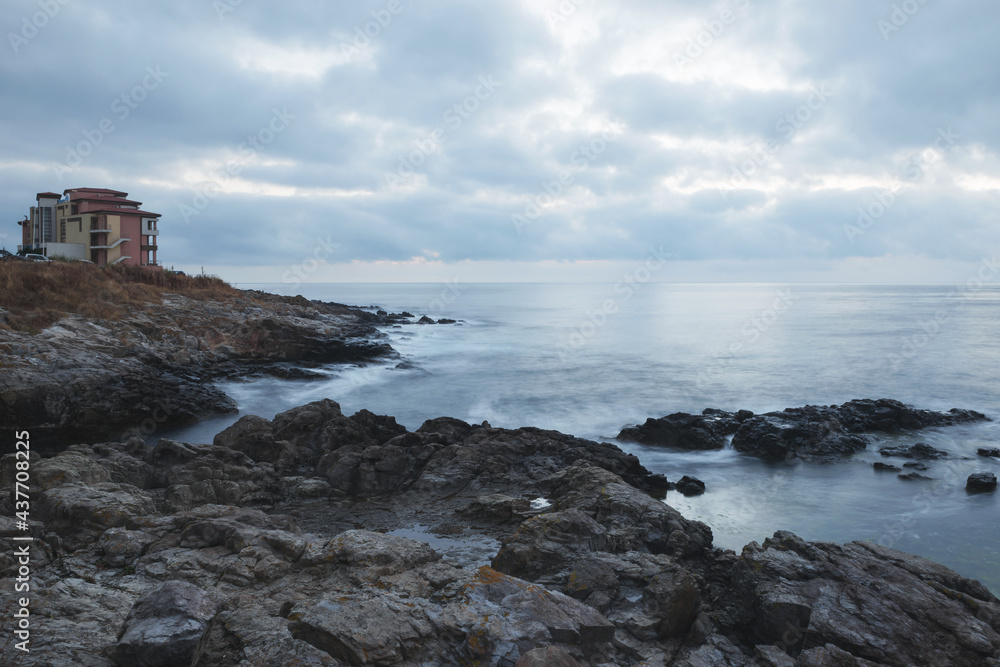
x=981, y=482
x=550, y=656
x=166, y=626
x=683, y=431
x=875, y=603
x=829, y=433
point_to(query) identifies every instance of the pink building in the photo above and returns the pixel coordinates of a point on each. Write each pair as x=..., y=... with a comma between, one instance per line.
x=99, y=225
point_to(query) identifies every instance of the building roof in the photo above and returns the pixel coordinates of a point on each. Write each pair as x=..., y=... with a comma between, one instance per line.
x=47, y=195
x=125, y=211
x=109, y=200
x=117, y=193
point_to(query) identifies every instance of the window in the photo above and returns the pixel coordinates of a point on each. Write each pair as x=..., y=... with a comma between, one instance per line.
x=81, y=226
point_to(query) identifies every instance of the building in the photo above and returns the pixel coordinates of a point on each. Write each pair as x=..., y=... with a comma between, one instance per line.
x=99, y=225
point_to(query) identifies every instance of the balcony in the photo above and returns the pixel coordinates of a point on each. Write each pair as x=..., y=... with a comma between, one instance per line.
x=148, y=247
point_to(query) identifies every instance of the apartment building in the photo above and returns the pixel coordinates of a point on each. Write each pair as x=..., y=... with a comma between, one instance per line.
x=100, y=225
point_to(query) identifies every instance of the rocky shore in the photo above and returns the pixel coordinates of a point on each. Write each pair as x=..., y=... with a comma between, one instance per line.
x=283, y=543
x=318, y=538
x=85, y=380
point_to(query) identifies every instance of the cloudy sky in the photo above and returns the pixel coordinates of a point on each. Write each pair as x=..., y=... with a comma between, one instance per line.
x=749, y=140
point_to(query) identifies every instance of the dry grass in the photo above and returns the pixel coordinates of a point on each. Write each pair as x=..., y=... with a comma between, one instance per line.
x=37, y=294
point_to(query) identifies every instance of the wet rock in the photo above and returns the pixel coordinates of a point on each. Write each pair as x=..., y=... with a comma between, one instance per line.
x=690, y=486
x=920, y=451
x=916, y=465
x=681, y=431
x=913, y=477
x=550, y=656
x=852, y=596
x=425, y=320
x=498, y=507
x=166, y=626
x=830, y=433
x=781, y=436
x=445, y=320
x=254, y=437
x=995, y=453
x=981, y=482
x=886, y=467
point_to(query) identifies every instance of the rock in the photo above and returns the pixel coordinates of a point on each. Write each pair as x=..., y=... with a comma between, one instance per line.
x=362, y=632
x=820, y=433
x=981, y=482
x=445, y=320
x=672, y=598
x=781, y=436
x=690, y=486
x=913, y=477
x=166, y=626
x=254, y=437
x=885, y=467
x=832, y=656
x=682, y=431
x=550, y=656
x=81, y=512
x=772, y=656
x=915, y=465
x=425, y=320
x=995, y=453
x=920, y=451
x=875, y=603
x=498, y=507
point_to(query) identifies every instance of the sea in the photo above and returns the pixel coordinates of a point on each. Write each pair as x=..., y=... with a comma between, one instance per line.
x=588, y=359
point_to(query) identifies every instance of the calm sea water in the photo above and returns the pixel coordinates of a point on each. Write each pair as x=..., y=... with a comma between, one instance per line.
x=588, y=359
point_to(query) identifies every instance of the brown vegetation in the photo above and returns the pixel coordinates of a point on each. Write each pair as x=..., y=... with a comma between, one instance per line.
x=37, y=294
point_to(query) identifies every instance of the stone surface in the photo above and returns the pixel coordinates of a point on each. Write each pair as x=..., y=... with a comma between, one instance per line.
x=550, y=656
x=829, y=433
x=920, y=451
x=853, y=596
x=981, y=482
x=166, y=626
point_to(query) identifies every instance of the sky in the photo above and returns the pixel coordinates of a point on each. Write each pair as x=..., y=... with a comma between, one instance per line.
x=534, y=140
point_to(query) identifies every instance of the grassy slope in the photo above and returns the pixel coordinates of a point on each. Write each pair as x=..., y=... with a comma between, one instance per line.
x=37, y=294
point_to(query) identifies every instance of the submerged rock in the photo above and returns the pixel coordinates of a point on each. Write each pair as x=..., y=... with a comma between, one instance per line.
x=921, y=451
x=886, y=467
x=690, y=486
x=981, y=482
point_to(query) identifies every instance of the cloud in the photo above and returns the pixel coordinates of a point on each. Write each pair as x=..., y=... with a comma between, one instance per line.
x=723, y=151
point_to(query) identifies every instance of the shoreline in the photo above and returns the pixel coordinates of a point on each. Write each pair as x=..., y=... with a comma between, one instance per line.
x=289, y=530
